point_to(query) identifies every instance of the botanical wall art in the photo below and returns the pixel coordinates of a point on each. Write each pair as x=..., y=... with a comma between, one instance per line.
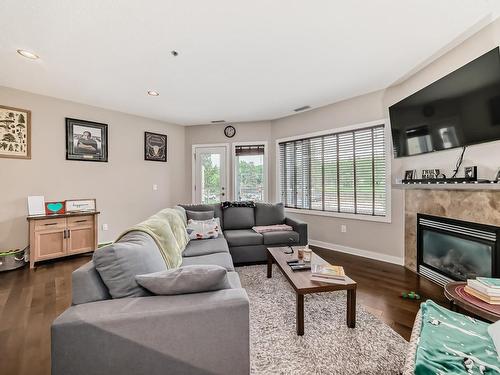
x=15, y=133
x=155, y=146
x=86, y=140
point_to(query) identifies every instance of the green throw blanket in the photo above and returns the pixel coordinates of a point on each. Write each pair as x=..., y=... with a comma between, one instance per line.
x=168, y=229
x=452, y=343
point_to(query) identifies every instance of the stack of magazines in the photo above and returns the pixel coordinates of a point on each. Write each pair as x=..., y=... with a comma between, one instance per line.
x=325, y=272
x=486, y=289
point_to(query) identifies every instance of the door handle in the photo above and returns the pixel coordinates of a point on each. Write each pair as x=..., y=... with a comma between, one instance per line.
x=64, y=234
x=69, y=233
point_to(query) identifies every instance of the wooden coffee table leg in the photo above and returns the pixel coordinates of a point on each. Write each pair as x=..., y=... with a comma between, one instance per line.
x=351, y=308
x=269, y=265
x=300, y=314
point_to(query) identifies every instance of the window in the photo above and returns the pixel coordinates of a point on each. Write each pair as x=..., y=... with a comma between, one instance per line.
x=341, y=172
x=249, y=172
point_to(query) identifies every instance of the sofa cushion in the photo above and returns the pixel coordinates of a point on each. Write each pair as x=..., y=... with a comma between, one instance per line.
x=216, y=208
x=243, y=237
x=269, y=214
x=87, y=285
x=205, y=247
x=185, y=279
x=281, y=238
x=219, y=259
x=118, y=264
x=199, y=215
x=239, y=218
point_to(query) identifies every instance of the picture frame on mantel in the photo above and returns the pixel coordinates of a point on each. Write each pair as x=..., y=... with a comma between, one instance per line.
x=15, y=133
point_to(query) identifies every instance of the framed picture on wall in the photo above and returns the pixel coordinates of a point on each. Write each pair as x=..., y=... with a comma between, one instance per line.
x=86, y=140
x=155, y=147
x=15, y=133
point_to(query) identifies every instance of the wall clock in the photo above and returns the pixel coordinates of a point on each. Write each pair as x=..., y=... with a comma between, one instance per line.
x=229, y=131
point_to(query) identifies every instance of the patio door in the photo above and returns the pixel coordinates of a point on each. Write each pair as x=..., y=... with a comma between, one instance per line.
x=210, y=174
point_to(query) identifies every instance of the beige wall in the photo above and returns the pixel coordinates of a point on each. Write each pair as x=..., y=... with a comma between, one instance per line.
x=214, y=134
x=122, y=187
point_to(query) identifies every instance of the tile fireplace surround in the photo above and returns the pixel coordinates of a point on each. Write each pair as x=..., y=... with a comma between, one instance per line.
x=480, y=206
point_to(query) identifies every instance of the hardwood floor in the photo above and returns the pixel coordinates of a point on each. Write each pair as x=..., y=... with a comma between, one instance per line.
x=31, y=299
x=380, y=285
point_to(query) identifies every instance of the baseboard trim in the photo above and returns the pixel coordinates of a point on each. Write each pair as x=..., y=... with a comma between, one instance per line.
x=359, y=252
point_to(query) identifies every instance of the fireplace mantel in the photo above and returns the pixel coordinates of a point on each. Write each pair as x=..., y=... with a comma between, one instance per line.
x=479, y=206
x=481, y=186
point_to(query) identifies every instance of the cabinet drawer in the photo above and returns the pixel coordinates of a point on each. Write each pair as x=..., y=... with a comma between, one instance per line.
x=80, y=221
x=50, y=224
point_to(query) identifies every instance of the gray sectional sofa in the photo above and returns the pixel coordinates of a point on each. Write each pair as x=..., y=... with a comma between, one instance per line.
x=245, y=245
x=118, y=327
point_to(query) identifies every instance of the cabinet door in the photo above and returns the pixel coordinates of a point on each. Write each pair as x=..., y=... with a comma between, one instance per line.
x=50, y=243
x=80, y=235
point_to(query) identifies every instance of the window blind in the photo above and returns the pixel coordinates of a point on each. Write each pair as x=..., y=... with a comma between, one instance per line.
x=249, y=150
x=341, y=172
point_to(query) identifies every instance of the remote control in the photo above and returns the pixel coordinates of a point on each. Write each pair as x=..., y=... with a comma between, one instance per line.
x=292, y=261
x=300, y=267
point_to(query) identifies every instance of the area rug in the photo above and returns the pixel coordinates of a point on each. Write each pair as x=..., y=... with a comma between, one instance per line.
x=328, y=346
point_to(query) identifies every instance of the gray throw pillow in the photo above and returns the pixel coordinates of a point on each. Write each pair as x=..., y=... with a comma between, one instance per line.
x=269, y=214
x=118, y=264
x=199, y=215
x=186, y=279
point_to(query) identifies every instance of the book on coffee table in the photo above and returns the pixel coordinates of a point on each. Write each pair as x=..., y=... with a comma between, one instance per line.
x=323, y=271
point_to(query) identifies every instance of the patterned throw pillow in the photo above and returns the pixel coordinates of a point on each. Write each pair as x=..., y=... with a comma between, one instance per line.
x=203, y=229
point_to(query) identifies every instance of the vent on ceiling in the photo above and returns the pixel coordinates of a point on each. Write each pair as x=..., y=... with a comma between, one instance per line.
x=218, y=121
x=302, y=108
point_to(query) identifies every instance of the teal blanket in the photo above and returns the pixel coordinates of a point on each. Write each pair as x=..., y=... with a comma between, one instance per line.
x=452, y=343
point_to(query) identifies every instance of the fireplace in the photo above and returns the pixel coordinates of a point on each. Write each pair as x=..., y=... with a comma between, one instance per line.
x=454, y=250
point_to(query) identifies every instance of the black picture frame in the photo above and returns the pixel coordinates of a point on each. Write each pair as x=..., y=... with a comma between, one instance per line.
x=155, y=147
x=83, y=147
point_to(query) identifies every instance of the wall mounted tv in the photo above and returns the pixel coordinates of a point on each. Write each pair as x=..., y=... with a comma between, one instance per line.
x=460, y=109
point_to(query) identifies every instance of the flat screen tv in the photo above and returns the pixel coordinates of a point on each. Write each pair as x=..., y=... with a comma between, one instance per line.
x=460, y=109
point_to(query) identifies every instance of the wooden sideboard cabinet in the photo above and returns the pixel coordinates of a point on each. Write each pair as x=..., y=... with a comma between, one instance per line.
x=55, y=236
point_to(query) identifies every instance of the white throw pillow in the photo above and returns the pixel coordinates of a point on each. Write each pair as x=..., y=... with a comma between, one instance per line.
x=203, y=229
x=186, y=279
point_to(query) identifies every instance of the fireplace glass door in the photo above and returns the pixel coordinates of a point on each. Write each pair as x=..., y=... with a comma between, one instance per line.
x=456, y=257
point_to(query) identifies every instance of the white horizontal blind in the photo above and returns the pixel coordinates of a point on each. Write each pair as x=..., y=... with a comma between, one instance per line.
x=343, y=172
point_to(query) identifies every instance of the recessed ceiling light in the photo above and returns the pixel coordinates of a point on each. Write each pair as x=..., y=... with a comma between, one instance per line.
x=153, y=93
x=28, y=54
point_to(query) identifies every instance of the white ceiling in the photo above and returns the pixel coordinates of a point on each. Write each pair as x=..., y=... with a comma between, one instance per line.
x=238, y=60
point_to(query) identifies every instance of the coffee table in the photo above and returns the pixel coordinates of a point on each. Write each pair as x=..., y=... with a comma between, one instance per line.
x=302, y=284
